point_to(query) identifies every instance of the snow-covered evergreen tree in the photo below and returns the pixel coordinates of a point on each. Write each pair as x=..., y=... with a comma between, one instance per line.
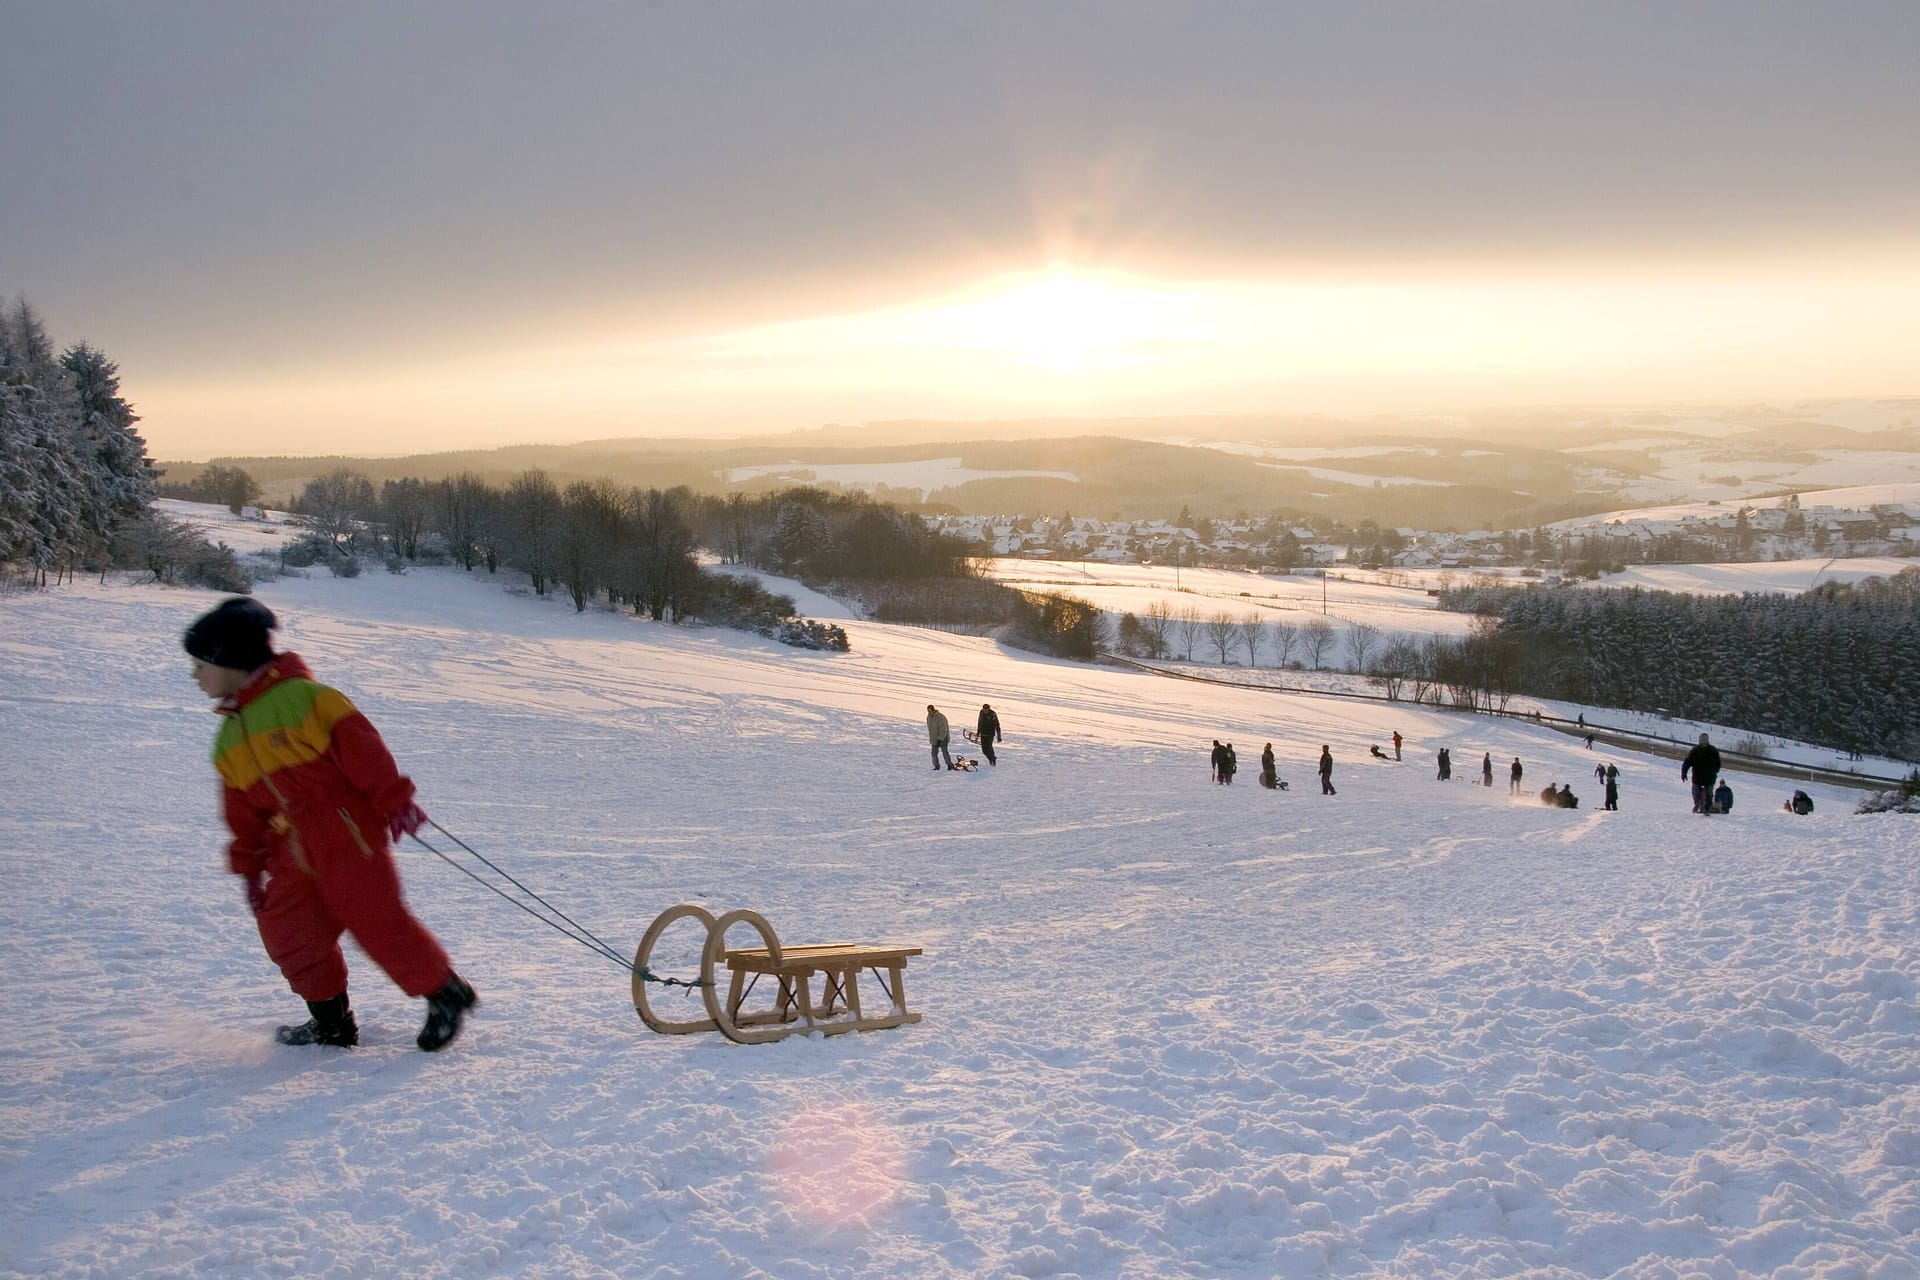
x=122, y=474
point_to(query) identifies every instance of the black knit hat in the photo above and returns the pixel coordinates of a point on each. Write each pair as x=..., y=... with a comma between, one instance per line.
x=232, y=634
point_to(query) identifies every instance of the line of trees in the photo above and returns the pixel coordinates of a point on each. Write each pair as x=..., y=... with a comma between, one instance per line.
x=1834, y=666
x=635, y=545
x=1470, y=674
x=74, y=474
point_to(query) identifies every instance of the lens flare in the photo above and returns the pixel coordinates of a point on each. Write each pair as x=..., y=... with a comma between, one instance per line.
x=838, y=1166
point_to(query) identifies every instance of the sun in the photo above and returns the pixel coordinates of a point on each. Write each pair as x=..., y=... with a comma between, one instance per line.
x=1065, y=321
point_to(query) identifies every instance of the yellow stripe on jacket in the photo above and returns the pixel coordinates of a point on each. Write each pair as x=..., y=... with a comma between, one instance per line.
x=290, y=725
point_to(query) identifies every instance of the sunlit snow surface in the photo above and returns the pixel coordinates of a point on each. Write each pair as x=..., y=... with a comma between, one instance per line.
x=1172, y=1029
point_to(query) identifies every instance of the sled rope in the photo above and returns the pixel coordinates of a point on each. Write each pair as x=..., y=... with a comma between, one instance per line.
x=571, y=927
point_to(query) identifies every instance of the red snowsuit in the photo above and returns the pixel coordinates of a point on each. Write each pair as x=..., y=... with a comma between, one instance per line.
x=308, y=789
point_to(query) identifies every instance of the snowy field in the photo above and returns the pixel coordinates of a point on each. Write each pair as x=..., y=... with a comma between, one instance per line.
x=1344, y=602
x=1394, y=602
x=1172, y=1029
x=924, y=474
x=1852, y=498
x=1787, y=576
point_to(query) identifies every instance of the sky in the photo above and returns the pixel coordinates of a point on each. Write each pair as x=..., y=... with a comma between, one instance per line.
x=387, y=228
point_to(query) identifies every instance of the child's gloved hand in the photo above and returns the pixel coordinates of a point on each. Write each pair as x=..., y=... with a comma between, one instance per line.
x=256, y=892
x=410, y=818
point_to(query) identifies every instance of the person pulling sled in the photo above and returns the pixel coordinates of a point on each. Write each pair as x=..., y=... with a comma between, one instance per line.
x=313, y=799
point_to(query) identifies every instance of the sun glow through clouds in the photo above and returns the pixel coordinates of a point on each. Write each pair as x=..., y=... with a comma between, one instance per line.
x=1068, y=322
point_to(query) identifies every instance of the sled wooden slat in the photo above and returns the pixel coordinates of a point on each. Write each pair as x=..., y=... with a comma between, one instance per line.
x=837, y=966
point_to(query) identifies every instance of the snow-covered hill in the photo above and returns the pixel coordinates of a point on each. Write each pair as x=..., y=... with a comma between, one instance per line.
x=1172, y=1029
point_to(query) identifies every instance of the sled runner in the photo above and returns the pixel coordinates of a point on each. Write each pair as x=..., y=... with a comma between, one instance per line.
x=838, y=965
x=971, y=735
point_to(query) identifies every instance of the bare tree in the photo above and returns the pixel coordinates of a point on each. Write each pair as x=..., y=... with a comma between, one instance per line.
x=1362, y=639
x=1316, y=636
x=531, y=509
x=335, y=504
x=739, y=529
x=1158, y=620
x=404, y=508
x=660, y=563
x=462, y=503
x=1222, y=630
x=1424, y=673
x=1189, y=628
x=1253, y=634
x=1398, y=662
x=1284, y=636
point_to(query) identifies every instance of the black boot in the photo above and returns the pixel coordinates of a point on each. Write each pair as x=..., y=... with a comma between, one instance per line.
x=445, y=1009
x=332, y=1023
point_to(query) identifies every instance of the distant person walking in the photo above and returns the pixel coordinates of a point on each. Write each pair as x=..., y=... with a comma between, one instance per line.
x=1396, y=744
x=1613, y=788
x=1513, y=774
x=1229, y=764
x=1269, y=772
x=1723, y=798
x=938, y=733
x=1600, y=772
x=1486, y=770
x=1217, y=760
x=1703, y=762
x=988, y=727
x=1446, y=765
x=1326, y=771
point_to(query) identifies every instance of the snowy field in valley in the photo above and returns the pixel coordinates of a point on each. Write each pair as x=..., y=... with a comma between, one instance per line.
x=924, y=474
x=1172, y=1029
x=1394, y=602
x=1859, y=497
x=1344, y=602
x=1789, y=576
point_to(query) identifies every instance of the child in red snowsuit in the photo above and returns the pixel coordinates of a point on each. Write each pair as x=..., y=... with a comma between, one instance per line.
x=313, y=797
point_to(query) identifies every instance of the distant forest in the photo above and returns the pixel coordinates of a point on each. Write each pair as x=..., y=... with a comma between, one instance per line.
x=1477, y=485
x=1838, y=665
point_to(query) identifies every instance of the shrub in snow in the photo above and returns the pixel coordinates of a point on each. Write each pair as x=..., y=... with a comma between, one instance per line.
x=214, y=566
x=805, y=633
x=305, y=551
x=1904, y=798
x=344, y=567
x=1061, y=625
x=742, y=603
x=1750, y=745
x=432, y=549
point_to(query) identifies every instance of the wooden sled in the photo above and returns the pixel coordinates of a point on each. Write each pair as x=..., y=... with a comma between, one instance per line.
x=793, y=969
x=965, y=764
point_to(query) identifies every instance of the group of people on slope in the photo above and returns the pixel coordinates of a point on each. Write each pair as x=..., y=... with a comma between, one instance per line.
x=939, y=735
x=1224, y=763
x=1703, y=763
x=1711, y=794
